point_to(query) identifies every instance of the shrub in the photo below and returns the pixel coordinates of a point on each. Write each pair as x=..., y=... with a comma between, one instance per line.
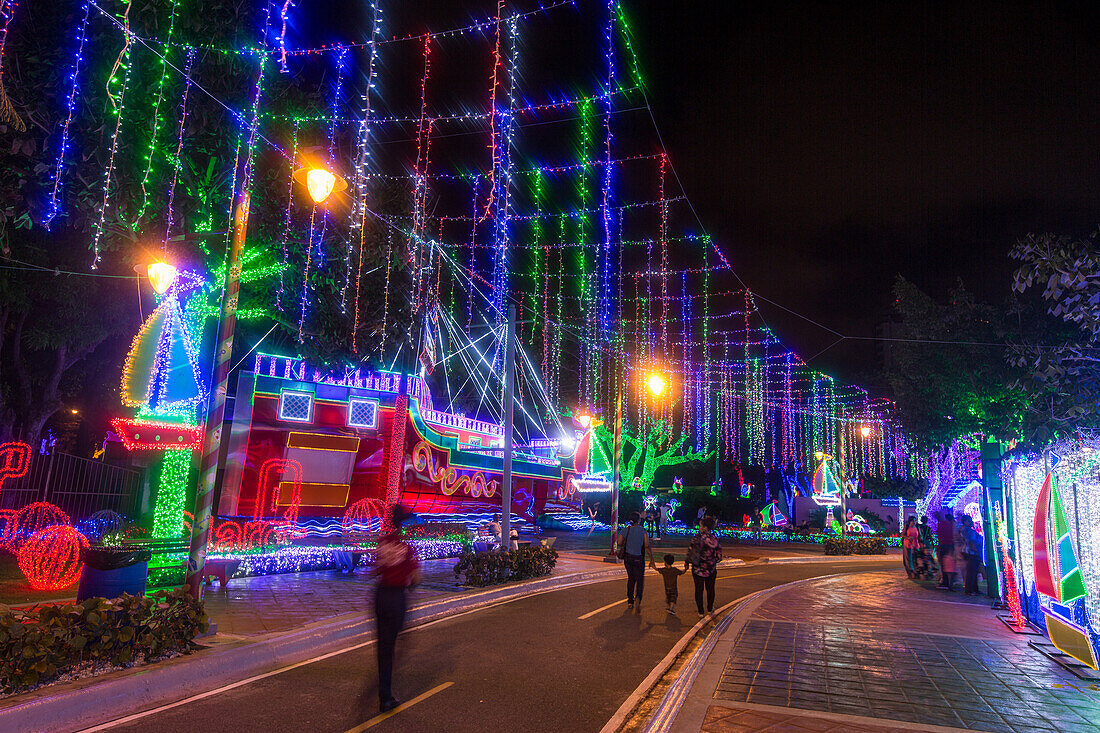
x=839, y=545
x=480, y=569
x=855, y=545
x=870, y=546
x=37, y=646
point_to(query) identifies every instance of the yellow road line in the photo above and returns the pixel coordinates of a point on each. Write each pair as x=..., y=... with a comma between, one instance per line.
x=590, y=614
x=403, y=706
x=726, y=577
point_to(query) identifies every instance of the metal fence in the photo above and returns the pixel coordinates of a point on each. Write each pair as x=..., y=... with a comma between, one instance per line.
x=79, y=486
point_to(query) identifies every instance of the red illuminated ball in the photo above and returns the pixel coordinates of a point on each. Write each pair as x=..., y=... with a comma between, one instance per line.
x=50, y=559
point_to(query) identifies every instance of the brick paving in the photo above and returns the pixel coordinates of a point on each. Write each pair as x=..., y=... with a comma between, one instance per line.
x=735, y=719
x=879, y=646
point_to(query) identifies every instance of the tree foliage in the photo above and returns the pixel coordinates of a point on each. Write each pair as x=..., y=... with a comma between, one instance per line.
x=1062, y=365
x=948, y=371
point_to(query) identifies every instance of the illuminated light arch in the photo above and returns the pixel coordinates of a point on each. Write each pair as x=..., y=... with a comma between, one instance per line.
x=361, y=513
x=50, y=559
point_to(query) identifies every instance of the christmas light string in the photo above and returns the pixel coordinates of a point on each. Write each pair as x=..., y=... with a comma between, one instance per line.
x=54, y=205
x=177, y=159
x=151, y=152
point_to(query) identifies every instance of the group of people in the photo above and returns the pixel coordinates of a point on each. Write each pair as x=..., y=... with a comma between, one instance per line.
x=703, y=555
x=959, y=547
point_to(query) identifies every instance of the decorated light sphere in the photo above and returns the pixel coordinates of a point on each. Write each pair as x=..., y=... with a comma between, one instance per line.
x=50, y=559
x=33, y=518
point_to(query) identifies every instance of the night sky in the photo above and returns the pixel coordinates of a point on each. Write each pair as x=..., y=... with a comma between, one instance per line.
x=830, y=146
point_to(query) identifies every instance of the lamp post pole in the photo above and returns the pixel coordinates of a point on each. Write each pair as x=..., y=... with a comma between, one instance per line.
x=616, y=460
x=509, y=379
x=215, y=416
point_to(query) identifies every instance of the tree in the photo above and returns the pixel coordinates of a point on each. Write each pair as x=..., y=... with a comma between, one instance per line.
x=1062, y=369
x=646, y=455
x=947, y=370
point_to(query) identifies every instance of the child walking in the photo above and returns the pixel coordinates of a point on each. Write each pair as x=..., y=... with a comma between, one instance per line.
x=671, y=575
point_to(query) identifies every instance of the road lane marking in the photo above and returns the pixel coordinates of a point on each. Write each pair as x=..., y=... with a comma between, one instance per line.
x=343, y=650
x=403, y=706
x=590, y=614
x=727, y=577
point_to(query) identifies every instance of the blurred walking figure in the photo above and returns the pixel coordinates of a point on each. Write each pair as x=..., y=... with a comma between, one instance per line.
x=633, y=545
x=397, y=570
x=662, y=525
x=704, y=554
x=945, y=552
x=973, y=554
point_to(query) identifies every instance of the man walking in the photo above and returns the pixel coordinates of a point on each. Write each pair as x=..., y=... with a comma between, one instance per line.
x=397, y=570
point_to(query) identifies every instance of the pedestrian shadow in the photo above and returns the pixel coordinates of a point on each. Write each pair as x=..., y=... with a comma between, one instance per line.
x=622, y=630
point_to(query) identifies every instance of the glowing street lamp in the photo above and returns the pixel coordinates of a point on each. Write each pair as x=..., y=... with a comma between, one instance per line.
x=319, y=182
x=865, y=431
x=656, y=384
x=161, y=276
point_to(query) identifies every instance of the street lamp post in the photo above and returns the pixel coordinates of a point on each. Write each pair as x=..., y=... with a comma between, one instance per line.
x=656, y=384
x=320, y=184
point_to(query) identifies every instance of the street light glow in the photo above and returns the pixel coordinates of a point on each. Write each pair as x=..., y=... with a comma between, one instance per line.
x=161, y=276
x=865, y=431
x=656, y=384
x=320, y=183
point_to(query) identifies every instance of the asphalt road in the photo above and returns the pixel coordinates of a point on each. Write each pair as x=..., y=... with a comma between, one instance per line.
x=531, y=664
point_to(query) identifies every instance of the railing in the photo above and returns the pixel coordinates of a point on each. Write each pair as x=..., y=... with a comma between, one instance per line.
x=79, y=486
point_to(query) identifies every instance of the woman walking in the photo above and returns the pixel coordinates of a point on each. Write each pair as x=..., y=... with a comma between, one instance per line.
x=910, y=542
x=704, y=554
x=633, y=545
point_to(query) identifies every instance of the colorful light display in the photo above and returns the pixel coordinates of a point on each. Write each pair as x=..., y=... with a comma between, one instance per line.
x=50, y=558
x=1056, y=514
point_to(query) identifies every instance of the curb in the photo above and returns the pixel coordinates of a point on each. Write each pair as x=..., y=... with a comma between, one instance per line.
x=672, y=702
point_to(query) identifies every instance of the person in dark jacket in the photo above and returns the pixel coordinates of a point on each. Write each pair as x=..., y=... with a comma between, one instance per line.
x=634, y=545
x=397, y=570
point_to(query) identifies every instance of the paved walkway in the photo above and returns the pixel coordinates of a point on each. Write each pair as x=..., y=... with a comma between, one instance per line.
x=876, y=651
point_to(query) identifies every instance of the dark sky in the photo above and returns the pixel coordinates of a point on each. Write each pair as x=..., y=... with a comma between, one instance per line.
x=830, y=146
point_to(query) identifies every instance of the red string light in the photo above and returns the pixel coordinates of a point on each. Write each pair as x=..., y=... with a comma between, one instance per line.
x=16, y=460
x=50, y=559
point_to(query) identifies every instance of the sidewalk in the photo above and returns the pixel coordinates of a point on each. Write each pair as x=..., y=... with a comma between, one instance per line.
x=876, y=652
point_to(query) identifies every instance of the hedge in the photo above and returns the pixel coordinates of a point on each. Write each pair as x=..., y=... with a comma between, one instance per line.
x=855, y=546
x=41, y=644
x=480, y=569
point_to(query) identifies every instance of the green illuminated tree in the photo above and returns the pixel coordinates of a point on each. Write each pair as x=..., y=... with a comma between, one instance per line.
x=643, y=456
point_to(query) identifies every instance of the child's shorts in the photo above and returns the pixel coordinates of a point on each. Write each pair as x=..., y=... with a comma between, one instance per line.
x=670, y=596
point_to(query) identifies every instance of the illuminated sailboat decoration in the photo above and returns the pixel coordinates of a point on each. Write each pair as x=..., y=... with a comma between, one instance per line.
x=1058, y=574
x=826, y=486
